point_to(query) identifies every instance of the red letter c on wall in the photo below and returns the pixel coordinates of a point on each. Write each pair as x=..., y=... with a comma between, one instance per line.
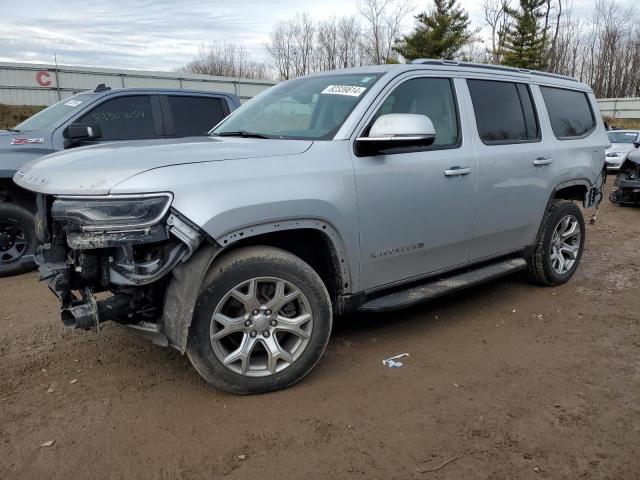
x=42, y=77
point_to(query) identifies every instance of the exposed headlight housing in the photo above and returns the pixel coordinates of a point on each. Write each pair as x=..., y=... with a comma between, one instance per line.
x=112, y=213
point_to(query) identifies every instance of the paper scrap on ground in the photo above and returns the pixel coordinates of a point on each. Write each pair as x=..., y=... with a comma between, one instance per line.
x=393, y=362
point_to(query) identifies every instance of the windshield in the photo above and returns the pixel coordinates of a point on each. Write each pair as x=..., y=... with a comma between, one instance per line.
x=307, y=108
x=55, y=112
x=623, y=137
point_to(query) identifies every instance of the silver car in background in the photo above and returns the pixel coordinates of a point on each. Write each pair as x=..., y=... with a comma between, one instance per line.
x=621, y=145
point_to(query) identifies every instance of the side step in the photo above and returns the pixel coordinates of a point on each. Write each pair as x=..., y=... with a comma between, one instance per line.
x=443, y=285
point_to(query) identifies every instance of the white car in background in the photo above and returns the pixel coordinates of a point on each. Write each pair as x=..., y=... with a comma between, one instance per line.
x=621, y=144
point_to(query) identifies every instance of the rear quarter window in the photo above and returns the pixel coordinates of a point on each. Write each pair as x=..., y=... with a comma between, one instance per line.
x=570, y=112
x=195, y=116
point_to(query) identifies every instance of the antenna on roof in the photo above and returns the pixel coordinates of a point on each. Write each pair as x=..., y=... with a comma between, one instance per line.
x=101, y=88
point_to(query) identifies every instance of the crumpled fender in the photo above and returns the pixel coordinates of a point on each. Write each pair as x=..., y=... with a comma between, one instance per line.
x=182, y=294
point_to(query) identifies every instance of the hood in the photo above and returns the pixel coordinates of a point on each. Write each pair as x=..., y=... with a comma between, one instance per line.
x=18, y=148
x=95, y=170
x=633, y=157
x=620, y=147
x=20, y=140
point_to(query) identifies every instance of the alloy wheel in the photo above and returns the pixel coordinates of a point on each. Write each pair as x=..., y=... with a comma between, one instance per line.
x=565, y=244
x=261, y=326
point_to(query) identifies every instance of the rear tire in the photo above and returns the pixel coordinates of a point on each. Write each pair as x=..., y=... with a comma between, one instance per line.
x=17, y=239
x=261, y=322
x=559, y=245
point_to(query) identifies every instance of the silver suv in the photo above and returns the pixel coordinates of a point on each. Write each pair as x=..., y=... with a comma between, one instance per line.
x=366, y=189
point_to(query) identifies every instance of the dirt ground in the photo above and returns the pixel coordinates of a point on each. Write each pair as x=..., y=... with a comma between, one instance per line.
x=510, y=380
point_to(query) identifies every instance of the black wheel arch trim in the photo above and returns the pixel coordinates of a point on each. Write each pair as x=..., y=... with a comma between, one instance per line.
x=330, y=232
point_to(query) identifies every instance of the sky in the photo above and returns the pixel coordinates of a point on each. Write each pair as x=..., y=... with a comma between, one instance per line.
x=160, y=34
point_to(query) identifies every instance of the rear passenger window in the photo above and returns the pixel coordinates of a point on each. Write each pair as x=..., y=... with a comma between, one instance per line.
x=569, y=111
x=195, y=116
x=432, y=97
x=504, y=111
x=123, y=118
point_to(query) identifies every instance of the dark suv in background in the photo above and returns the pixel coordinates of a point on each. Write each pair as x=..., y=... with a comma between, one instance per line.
x=91, y=118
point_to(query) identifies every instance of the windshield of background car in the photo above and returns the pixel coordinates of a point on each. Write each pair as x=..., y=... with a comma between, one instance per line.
x=50, y=115
x=307, y=108
x=623, y=137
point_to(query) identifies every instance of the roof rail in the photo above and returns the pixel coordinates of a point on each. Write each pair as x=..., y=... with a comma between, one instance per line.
x=101, y=88
x=487, y=66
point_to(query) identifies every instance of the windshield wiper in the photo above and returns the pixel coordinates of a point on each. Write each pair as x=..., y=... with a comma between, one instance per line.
x=13, y=130
x=241, y=133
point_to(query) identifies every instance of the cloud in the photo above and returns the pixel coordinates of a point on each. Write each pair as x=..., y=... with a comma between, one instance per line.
x=161, y=34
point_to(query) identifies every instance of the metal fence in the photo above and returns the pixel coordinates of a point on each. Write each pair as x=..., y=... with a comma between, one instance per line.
x=42, y=84
x=620, y=107
x=45, y=84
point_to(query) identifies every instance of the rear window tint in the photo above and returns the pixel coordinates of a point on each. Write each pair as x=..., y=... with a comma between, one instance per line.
x=504, y=112
x=195, y=116
x=569, y=111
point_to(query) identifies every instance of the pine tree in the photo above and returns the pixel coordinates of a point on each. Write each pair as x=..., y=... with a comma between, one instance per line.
x=440, y=33
x=524, y=39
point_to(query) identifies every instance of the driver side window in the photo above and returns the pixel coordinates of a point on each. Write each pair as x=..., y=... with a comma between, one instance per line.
x=432, y=97
x=123, y=118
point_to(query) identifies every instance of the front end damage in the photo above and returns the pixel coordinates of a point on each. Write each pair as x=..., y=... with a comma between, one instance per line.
x=627, y=182
x=112, y=258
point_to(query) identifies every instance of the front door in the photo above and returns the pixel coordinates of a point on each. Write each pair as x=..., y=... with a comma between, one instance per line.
x=417, y=208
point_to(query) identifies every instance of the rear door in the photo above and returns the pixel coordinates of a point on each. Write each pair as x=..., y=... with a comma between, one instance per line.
x=192, y=115
x=515, y=164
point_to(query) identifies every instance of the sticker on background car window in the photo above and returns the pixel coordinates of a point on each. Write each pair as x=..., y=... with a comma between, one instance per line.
x=26, y=141
x=350, y=90
x=72, y=103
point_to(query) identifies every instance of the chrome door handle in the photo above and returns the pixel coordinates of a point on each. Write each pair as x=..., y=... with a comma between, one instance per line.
x=457, y=171
x=542, y=161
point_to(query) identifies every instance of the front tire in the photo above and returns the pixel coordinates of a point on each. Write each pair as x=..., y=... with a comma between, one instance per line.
x=559, y=245
x=17, y=239
x=261, y=323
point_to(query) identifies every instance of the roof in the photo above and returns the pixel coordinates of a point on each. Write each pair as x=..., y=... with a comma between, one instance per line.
x=532, y=76
x=160, y=90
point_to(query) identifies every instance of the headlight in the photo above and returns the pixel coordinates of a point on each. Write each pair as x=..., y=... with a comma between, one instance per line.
x=615, y=154
x=118, y=212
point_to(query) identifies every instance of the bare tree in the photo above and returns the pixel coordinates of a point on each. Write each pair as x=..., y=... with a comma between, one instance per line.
x=383, y=19
x=227, y=60
x=496, y=17
x=601, y=51
x=339, y=43
x=301, y=46
x=292, y=48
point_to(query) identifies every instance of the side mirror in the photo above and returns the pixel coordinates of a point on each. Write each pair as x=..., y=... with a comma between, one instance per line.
x=636, y=144
x=77, y=133
x=396, y=130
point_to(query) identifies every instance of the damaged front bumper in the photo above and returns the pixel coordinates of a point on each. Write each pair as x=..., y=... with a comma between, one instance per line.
x=109, y=258
x=627, y=184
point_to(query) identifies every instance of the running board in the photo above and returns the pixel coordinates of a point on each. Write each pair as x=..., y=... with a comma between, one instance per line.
x=443, y=285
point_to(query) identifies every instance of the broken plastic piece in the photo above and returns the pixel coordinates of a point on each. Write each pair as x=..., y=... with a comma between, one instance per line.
x=393, y=362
